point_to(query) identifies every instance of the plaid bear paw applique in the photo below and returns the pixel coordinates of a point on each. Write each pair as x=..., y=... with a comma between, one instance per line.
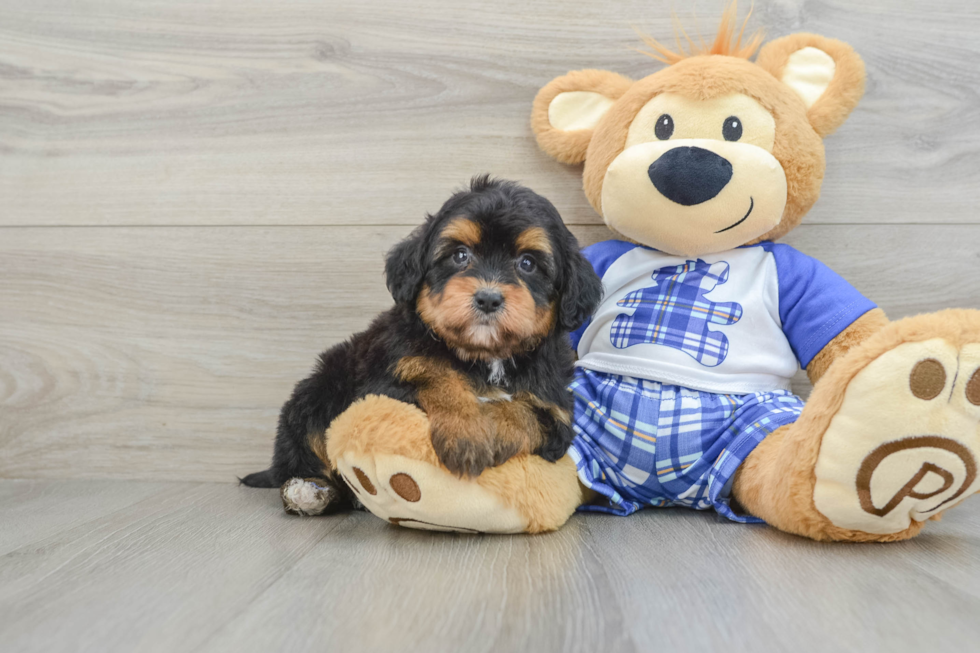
x=674, y=312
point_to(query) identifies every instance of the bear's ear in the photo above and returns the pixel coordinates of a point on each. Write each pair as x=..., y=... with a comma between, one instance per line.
x=828, y=75
x=569, y=107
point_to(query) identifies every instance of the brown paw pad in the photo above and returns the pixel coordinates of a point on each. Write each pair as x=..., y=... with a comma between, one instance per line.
x=973, y=389
x=365, y=481
x=928, y=378
x=405, y=487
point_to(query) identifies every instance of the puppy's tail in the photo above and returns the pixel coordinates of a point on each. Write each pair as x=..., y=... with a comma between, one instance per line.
x=260, y=479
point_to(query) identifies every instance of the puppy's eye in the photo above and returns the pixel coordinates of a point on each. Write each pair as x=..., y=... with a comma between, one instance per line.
x=527, y=264
x=461, y=256
x=732, y=129
x=665, y=127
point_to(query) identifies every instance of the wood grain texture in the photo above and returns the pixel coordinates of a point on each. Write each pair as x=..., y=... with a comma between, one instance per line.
x=195, y=199
x=165, y=353
x=31, y=510
x=365, y=113
x=133, y=349
x=210, y=567
x=159, y=575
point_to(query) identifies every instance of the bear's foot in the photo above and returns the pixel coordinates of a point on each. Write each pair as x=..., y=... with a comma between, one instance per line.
x=904, y=444
x=416, y=494
x=383, y=450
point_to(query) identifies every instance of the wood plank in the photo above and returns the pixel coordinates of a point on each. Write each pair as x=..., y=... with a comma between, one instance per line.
x=31, y=510
x=409, y=591
x=134, y=345
x=755, y=587
x=140, y=345
x=212, y=567
x=659, y=580
x=160, y=575
x=114, y=113
x=952, y=553
x=165, y=353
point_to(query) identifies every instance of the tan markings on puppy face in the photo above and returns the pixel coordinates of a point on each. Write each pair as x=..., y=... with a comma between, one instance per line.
x=452, y=309
x=534, y=239
x=462, y=230
x=522, y=316
x=544, y=319
x=517, y=327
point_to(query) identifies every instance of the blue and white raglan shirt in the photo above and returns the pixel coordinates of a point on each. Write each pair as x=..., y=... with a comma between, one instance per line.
x=734, y=322
x=686, y=367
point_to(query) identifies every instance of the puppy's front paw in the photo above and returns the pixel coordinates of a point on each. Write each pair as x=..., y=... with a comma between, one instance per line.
x=465, y=455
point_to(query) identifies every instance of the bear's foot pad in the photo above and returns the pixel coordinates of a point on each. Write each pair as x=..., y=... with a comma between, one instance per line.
x=416, y=494
x=905, y=443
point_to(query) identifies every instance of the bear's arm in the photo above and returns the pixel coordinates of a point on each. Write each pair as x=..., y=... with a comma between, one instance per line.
x=822, y=315
x=863, y=328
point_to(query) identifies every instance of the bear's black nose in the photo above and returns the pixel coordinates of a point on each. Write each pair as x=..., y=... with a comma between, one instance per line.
x=690, y=175
x=487, y=300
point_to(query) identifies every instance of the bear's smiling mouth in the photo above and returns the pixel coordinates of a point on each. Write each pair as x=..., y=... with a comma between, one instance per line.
x=751, y=206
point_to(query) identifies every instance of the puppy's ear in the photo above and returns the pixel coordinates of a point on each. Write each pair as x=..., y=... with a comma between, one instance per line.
x=405, y=266
x=567, y=110
x=581, y=291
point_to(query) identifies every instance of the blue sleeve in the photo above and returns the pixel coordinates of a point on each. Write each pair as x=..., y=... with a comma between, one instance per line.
x=815, y=303
x=601, y=256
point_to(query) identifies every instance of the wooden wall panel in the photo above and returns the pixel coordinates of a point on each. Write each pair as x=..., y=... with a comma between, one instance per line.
x=165, y=352
x=195, y=198
x=363, y=113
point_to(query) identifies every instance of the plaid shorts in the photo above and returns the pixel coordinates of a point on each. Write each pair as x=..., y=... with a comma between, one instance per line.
x=642, y=443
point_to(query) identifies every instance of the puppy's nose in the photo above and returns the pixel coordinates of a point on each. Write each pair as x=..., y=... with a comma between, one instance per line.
x=488, y=300
x=690, y=175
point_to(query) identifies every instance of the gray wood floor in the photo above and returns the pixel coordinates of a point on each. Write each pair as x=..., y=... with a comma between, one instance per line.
x=165, y=566
x=195, y=199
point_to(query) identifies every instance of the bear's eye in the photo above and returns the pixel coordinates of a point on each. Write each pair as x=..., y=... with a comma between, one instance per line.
x=665, y=127
x=461, y=256
x=732, y=129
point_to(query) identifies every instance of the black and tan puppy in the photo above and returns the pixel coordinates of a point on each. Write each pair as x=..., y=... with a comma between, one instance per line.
x=485, y=293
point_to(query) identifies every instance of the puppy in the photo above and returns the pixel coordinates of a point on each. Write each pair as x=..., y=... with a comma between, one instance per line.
x=485, y=294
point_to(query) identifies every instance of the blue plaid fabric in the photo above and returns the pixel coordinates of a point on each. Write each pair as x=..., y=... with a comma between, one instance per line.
x=641, y=443
x=675, y=313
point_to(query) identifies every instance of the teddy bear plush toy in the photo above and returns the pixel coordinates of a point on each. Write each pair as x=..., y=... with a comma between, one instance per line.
x=682, y=382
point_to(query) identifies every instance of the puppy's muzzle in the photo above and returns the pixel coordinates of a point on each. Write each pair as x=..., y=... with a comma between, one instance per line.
x=488, y=301
x=690, y=175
